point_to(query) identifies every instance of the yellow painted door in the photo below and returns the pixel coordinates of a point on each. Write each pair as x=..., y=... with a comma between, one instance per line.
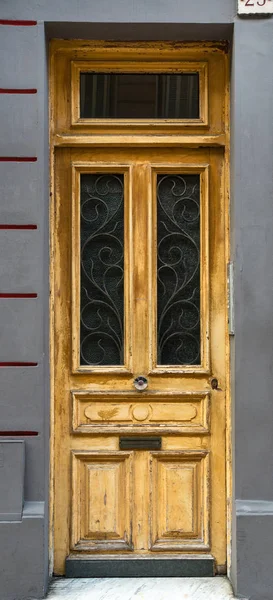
x=139, y=354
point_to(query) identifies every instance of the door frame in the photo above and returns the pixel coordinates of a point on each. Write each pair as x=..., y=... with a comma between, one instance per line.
x=71, y=132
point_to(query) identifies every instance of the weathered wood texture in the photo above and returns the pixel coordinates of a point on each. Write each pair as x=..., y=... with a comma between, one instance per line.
x=138, y=502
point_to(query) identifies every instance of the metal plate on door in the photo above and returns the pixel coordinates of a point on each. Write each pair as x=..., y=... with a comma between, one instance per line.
x=140, y=443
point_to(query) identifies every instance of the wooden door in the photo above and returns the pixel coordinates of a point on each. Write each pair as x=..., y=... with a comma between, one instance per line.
x=140, y=357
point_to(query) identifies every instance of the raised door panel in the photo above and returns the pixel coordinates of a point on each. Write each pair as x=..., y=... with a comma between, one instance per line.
x=101, y=501
x=179, y=500
x=130, y=412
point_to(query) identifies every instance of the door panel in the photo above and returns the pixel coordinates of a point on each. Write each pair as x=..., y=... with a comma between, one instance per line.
x=157, y=413
x=139, y=291
x=101, y=501
x=180, y=501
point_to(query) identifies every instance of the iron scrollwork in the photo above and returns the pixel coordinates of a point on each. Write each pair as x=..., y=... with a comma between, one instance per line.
x=178, y=274
x=102, y=270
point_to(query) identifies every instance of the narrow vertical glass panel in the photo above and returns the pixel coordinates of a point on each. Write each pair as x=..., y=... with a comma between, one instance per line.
x=102, y=268
x=139, y=95
x=178, y=269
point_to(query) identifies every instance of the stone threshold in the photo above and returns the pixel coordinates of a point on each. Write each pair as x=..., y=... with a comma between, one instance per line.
x=141, y=588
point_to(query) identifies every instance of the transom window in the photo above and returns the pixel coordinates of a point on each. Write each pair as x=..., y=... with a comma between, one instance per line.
x=139, y=95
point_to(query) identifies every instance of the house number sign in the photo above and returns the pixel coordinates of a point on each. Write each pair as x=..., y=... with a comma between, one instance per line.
x=252, y=7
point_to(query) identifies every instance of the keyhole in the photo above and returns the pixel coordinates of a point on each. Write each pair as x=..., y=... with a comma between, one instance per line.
x=214, y=383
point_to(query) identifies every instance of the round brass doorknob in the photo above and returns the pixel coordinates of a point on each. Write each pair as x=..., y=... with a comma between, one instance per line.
x=140, y=383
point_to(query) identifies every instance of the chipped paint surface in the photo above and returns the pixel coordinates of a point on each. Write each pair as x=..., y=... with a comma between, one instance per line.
x=145, y=490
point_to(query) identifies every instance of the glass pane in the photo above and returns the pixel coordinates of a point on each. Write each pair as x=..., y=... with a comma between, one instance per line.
x=102, y=288
x=178, y=269
x=139, y=95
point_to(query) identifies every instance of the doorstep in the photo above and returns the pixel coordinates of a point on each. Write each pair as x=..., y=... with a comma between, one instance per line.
x=141, y=588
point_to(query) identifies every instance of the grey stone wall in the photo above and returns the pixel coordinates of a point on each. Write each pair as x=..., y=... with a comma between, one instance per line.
x=24, y=263
x=24, y=406
x=252, y=249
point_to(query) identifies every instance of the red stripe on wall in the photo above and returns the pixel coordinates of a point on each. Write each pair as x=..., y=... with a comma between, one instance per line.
x=18, y=158
x=18, y=295
x=18, y=364
x=18, y=226
x=16, y=433
x=18, y=91
x=12, y=22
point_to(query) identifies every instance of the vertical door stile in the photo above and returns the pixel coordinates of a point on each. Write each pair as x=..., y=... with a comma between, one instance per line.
x=140, y=269
x=141, y=282
x=218, y=307
x=62, y=348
